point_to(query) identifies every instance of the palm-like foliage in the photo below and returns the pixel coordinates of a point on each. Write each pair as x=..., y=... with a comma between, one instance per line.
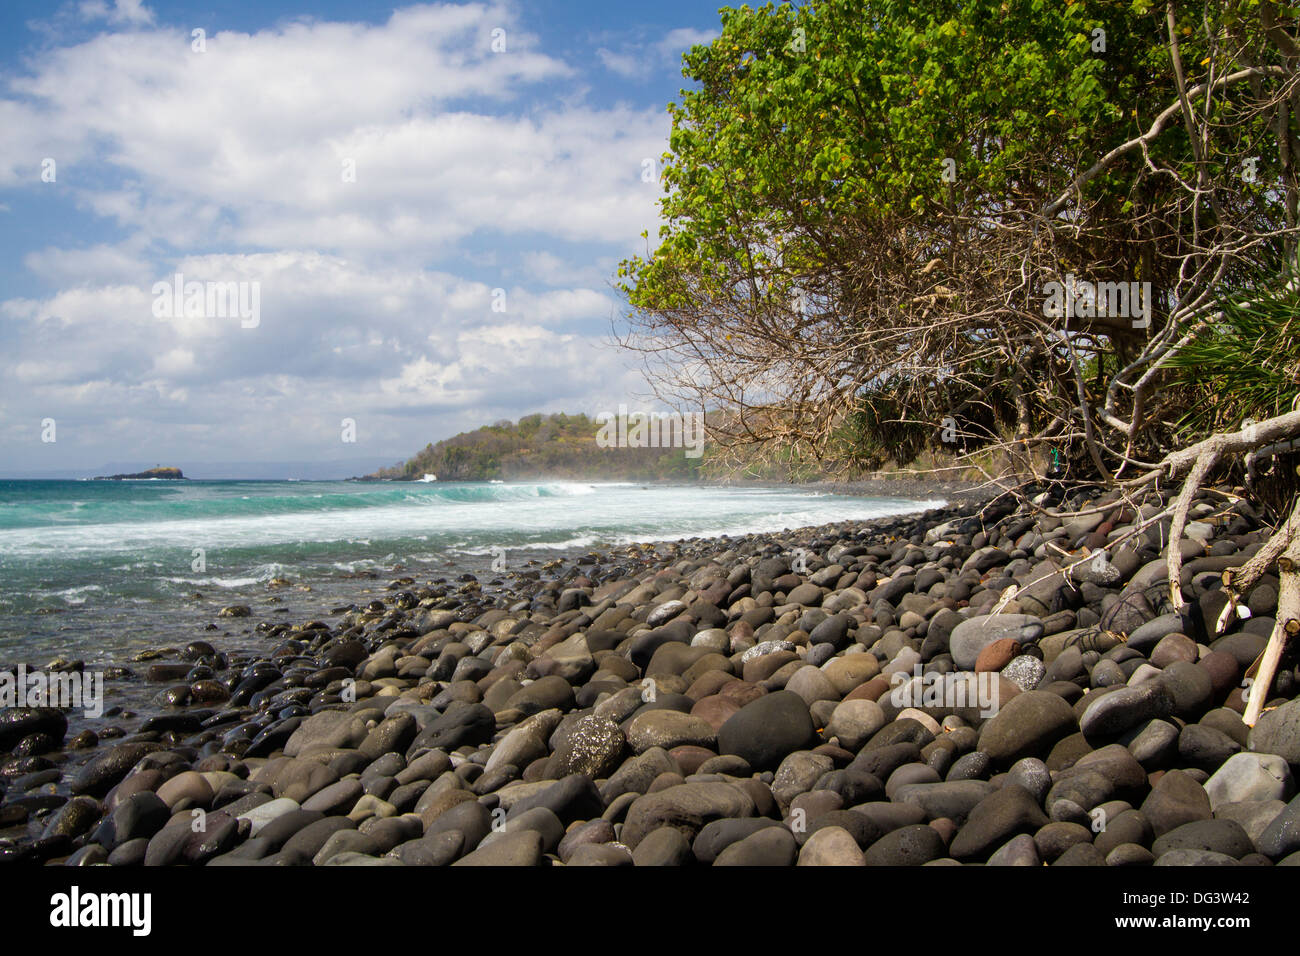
x=1246, y=366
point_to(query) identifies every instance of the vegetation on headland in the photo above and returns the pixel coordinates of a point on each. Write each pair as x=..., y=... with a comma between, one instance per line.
x=541, y=446
x=173, y=474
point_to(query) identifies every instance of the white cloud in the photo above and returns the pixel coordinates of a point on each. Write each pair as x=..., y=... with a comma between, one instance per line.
x=122, y=11
x=227, y=165
x=638, y=60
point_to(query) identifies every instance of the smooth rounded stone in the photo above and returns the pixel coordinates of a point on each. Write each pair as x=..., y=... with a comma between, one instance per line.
x=1114, y=712
x=818, y=655
x=106, y=770
x=573, y=798
x=1053, y=839
x=1130, y=854
x=922, y=718
x=1105, y=774
x=297, y=779
x=1278, y=732
x=1244, y=647
x=769, y=846
x=852, y=786
x=799, y=773
x=1173, y=647
x=428, y=766
x=831, y=846
x=1154, y=744
x=854, y=722
x=908, y=774
x=1176, y=798
x=336, y=799
x=688, y=807
x=601, y=854
x=1018, y=851
x=92, y=854
x=1031, y=774
x=1081, y=854
x=591, y=832
x=436, y=801
x=391, y=831
x=974, y=634
x=261, y=816
x=518, y=848
x=1107, y=674
x=361, y=859
x=437, y=849
x=186, y=789
x=1189, y=857
x=904, y=730
x=76, y=817
x=345, y=841
x=997, y=655
x=1065, y=810
x=975, y=765
x=1143, y=673
x=637, y=773
x=277, y=832
x=913, y=845
x=1147, y=637
x=1253, y=815
x=540, y=819
x=545, y=693
x=1001, y=815
x=810, y=805
x=311, y=839
x=834, y=631
x=668, y=729
x=1205, y=748
x=471, y=819
x=139, y=815
x=727, y=764
x=17, y=723
x=1028, y=725
x=524, y=743
x=130, y=853
x=666, y=846
x=714, y=639
x=811, y=684
x=1127, y=826
x=1191, y=687
x=716, y=836
x=850, y=671
x=953, y=801
x=330, y=729
x=1282, y=837
x=594, y=746
x=1221, y=836
x=766, y=730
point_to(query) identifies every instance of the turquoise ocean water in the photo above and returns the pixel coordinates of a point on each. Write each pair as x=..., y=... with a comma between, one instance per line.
x=97, y=570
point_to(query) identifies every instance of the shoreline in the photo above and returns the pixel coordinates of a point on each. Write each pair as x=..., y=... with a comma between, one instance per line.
x=771, y=660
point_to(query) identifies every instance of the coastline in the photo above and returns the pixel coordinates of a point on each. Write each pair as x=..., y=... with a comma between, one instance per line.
x=390, y=732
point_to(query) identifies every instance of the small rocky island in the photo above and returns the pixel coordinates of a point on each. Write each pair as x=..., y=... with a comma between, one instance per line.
x=172, y=474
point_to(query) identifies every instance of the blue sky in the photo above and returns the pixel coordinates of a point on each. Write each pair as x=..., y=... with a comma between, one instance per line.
x=423, y=228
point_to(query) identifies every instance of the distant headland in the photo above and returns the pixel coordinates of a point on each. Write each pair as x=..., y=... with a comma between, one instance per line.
x=171, y=474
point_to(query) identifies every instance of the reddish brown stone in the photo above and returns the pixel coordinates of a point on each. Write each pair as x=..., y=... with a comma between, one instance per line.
x=997, y=655
x=690, y=757
x=714, y=709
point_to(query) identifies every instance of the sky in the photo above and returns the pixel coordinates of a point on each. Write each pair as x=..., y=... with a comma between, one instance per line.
x=389, y=225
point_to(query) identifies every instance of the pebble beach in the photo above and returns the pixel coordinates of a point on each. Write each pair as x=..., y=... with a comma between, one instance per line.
x=992, y=682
